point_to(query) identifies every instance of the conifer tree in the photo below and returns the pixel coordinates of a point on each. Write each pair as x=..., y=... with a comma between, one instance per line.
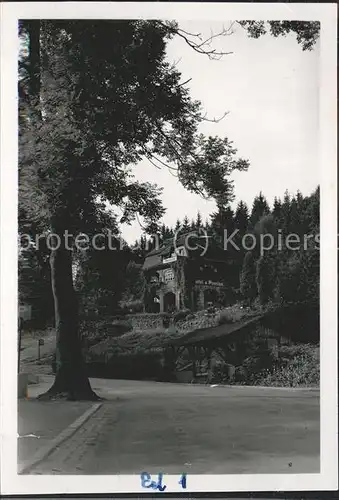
x=312, y=211
x=277, y=207
x=295, y=226
x=260, y=208
x=163, y=233
x=248, y=286
x=241, y=217
x=198, y=221
x=286, y=212
x=266, y=276
x=186, y=226
x=241, y=222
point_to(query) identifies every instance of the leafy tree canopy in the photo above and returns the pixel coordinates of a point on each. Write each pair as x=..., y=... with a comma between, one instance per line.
x=77, y=157
x=307, y=32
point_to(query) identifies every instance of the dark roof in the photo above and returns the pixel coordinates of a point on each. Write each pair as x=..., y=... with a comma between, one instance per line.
x=151, y=261
x=168, y=247
x=154, y=258
x=204, y=335
x=164, y=248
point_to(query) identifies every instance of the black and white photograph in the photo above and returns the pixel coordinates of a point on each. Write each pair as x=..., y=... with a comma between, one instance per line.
x=169, y=240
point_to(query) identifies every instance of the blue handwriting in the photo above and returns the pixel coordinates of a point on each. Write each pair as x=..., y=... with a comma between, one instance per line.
x=148, y=482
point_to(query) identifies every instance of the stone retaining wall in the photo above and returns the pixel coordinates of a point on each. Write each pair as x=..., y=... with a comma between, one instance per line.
x=147, y=321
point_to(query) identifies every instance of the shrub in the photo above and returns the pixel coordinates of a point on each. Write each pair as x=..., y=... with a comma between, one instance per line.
x=225, y=318
x=219, y=372
x=240, y=375
x=289, y=366
x=181, y=315
x=289, y=352
x=189, y=317
x=133, y=342
x=231, y=315
x=132, y=307
x=96, y=329
x=166, y=320
x=195, y=321
x=296, y=366
x=298, y=373
x=118, y=328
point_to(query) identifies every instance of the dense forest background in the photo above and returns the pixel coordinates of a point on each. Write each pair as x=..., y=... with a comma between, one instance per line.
x=111, y=281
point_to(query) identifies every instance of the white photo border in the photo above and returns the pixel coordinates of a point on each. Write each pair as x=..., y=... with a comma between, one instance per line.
x=10, y=482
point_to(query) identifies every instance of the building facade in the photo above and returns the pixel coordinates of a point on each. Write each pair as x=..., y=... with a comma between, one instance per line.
x=178, y=277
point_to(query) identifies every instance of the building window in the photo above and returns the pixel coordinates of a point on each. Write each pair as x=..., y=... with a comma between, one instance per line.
x=181, y=251
x=168, y=275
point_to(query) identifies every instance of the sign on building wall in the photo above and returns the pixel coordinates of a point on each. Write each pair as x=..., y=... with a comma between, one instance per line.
x=170, y=259
x=216, y=284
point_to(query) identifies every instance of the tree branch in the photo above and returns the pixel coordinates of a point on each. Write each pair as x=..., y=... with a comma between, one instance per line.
x=212, y=54
x=138, y=221
x=211, y=120
x=165, y=164
x=151, y=156
x=182, y=84
x=201, y=45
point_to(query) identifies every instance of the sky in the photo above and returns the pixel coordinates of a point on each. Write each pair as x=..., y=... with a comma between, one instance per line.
x=269, y=87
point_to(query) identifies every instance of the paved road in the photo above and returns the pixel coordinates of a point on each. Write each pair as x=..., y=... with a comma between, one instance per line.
x=172, y=428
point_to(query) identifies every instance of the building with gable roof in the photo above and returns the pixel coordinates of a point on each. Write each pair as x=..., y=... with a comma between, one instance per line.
x=186, y=272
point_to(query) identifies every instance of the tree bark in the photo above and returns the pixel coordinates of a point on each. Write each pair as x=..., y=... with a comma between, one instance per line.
x=71, y=381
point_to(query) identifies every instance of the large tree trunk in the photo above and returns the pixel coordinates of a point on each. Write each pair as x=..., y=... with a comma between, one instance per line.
x=71, y=381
